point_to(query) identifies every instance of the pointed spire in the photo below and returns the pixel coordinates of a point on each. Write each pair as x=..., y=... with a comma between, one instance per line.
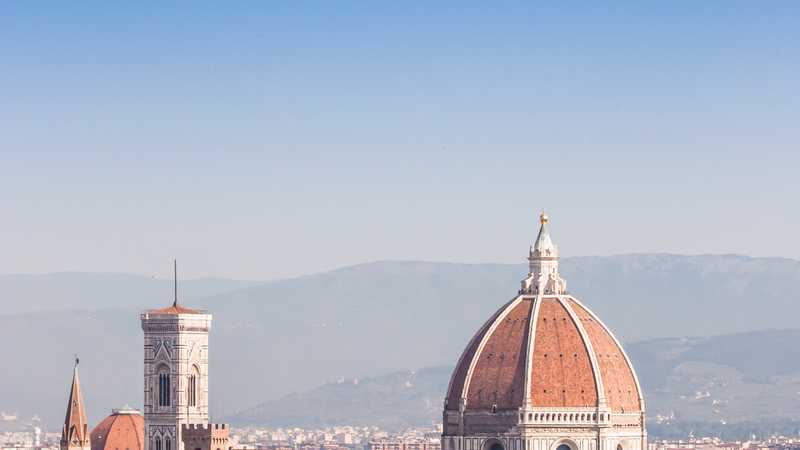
x=75, y=434
x=543, y=276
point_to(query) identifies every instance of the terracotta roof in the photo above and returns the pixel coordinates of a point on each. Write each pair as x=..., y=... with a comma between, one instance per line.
x=499, y=373
x=619, y=382
x=75, y=432
x=557, y=361
x=119, y=431
x=175, y=309
x=561, y=373
x=460, y=373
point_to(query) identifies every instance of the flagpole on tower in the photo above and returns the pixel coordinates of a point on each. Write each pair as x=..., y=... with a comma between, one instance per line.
x=175, y=278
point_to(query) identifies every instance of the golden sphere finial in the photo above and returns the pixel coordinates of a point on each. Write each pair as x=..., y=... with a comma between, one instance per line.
x=543, y=219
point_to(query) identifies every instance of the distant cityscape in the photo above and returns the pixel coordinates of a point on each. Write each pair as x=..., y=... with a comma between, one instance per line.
x=258, y=438
x=373, y=438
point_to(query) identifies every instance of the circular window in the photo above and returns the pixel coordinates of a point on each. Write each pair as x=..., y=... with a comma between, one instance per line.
x=496, y=446
x=563, y=447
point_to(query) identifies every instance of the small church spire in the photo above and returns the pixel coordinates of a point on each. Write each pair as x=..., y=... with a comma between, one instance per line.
x=75, y=434
x=543, y=276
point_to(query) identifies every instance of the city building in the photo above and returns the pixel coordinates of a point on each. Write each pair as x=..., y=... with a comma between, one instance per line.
x=544, y=373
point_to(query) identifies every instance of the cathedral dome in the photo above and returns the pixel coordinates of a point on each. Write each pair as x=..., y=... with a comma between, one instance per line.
x=545, y=351
x=542, y=365
x=122, y=430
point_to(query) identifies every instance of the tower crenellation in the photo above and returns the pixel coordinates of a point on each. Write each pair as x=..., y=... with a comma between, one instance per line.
x=205, y=436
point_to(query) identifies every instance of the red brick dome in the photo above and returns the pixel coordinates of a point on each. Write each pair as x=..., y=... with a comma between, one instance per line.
x=122, y=430
x=544, y=351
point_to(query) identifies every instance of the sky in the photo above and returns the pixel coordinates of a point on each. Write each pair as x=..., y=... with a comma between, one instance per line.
x=263, y=140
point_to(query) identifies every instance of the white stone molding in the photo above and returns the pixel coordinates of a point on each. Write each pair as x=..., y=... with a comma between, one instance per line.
x=537, y=301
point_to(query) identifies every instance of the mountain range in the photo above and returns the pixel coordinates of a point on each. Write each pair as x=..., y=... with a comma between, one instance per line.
x=730, y=381
x=271, y=339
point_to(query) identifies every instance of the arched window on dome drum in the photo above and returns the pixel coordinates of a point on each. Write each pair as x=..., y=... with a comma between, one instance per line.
x=619, y=446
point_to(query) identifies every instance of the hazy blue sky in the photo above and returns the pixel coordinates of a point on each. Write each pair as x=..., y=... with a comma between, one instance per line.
x=258, y=140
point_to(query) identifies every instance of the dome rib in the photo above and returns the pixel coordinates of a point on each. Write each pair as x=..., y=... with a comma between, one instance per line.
x=617, y=375
x=497, y=372
x=537, y=301
x=501, y=314
x=562, y=374
x=456, y=388
x=598, y=378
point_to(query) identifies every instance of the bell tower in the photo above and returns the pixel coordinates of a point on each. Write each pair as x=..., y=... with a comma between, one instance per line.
x=175, y=373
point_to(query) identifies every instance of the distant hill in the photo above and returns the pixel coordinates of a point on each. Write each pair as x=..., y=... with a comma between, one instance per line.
x=23, y=293
x=393, y=401
x=286, y=336
x=737, y=380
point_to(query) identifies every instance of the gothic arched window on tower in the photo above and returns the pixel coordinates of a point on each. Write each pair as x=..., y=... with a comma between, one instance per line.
x=164, y=388
x=158, y=443
x=167, y=444
x=192, y=391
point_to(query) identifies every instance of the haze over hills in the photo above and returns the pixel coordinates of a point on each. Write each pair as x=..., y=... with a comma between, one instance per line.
x=273, y=338
x=23, y=293
x=736, y=380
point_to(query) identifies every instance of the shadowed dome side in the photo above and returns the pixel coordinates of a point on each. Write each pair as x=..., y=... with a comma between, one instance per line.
x=122, y=430
x=498, y=376
x=459, y=376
